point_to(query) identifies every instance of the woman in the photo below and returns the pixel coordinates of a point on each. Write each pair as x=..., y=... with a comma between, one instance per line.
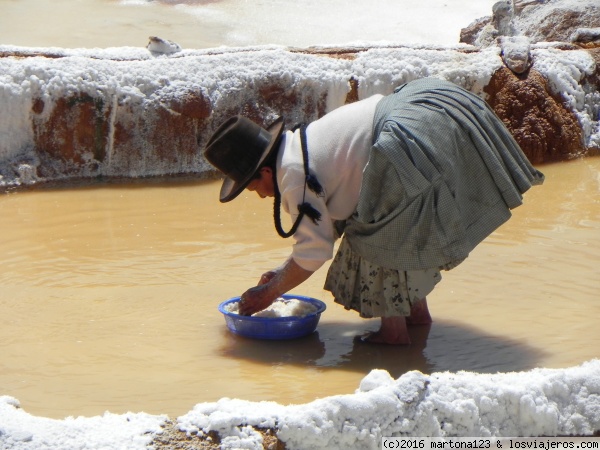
x=414, y=181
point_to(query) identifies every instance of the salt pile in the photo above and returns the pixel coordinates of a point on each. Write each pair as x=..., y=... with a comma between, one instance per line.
x=281, y=307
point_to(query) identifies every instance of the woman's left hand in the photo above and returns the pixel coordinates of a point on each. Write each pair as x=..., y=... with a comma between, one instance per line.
x=256, y=299
x=267, y=276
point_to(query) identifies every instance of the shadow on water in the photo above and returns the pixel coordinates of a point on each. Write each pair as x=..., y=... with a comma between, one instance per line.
x=442, y=346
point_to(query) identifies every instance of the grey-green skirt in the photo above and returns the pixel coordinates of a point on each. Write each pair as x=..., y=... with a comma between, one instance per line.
x=443, y=174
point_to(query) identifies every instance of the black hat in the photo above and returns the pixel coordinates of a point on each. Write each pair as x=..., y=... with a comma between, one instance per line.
x=238, y=149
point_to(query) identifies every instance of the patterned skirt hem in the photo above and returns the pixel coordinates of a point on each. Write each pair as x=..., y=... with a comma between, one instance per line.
x=375, y=291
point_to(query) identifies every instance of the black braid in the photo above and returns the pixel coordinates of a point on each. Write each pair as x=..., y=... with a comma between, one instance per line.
x=304, y=208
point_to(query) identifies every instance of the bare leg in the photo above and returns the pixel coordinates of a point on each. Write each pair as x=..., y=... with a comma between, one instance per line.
x=419, y=314
x=393, y=331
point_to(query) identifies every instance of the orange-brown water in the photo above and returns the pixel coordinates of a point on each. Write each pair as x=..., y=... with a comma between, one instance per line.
x=108, y=299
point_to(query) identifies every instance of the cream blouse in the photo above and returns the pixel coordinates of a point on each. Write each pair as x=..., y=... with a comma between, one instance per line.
x=338, y=146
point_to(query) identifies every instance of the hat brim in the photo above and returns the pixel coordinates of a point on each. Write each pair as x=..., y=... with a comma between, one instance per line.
x=230, y=188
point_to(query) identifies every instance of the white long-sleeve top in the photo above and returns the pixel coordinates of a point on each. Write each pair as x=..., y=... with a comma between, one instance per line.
x=339, y=144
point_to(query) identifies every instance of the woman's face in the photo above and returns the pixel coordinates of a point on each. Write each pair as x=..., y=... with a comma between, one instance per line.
x=263, y=185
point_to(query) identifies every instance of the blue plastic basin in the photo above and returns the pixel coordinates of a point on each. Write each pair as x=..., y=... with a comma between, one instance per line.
x=274, y=328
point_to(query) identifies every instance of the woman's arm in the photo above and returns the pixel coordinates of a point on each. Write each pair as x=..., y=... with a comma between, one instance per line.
x=272, y=285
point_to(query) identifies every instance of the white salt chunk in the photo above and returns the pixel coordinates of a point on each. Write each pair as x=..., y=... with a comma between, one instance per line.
x=281, y=307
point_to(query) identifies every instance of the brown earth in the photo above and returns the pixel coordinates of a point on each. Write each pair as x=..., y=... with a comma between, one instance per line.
x=174, y=439
x=545, y=128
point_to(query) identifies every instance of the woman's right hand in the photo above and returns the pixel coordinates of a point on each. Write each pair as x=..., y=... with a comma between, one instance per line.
x=256, y=299
x=271, y=285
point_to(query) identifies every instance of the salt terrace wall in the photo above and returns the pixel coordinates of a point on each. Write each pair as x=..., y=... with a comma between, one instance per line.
x=128, y=112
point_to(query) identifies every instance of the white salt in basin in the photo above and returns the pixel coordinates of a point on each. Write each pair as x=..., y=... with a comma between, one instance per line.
x=282, y=307
x=289, y=317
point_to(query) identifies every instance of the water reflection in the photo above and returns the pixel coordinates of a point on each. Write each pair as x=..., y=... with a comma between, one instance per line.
x=442, y=346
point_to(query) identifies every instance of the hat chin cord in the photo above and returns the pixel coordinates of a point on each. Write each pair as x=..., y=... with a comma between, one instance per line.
x=304, y=208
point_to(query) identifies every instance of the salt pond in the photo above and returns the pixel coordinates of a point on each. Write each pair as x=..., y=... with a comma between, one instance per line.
x=103, y=284
x=109, y=294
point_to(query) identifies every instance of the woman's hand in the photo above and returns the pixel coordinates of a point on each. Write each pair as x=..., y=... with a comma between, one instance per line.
x=271, y=285
x=266, y=277
x=256, y=299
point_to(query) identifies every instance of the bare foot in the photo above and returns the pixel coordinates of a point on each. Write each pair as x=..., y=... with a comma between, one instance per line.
x=393, y=331
x=419, y=314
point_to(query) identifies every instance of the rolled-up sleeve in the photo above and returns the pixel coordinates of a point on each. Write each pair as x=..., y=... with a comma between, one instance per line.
x=313, y=241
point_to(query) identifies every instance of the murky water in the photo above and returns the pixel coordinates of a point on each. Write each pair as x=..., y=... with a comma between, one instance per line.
x=109, y=297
